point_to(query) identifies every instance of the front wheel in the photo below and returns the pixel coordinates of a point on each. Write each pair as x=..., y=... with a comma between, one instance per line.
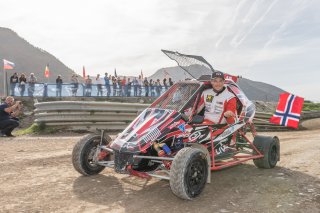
x=84, y=151
x=188, y=173
x=270, y=148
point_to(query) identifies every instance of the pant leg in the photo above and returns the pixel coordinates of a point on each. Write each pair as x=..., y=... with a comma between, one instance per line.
x=7, y=126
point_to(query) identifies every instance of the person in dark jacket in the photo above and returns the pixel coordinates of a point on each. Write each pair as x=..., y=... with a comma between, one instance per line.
x=8, y=116
x=13, y=82
x=22, y=84
x=59, y=83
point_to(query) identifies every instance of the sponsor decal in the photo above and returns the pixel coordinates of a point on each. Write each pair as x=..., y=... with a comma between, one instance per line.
x=209, y=98
x=182, y=127
x=196, y=135
x=173, y=125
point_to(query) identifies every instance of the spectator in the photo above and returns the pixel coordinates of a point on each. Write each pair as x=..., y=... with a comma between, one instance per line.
x=88, y=86
x=74, y=84
x=129, y=83
x=13, y=82
x=114, y=85
x=22, y=83
x=165, y=84
x=124, y=87
x=99, y=83
x=139, y=85
x=158, y=87
x=151, y=85
x=107, y=84
x=59, y=83
x=119, y=87
x=146, y=86
x=32, y=81
x=170, y=82
x=8, y=116
x=135, y=86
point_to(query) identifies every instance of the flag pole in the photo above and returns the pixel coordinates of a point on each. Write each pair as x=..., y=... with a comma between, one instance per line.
x=6, y=76
x=4, y=81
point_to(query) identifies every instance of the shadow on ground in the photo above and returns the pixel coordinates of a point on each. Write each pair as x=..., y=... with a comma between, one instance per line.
x=243, y=188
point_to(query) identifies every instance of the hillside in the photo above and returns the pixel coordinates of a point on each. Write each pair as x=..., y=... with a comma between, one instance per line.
x=28, y=58
x=258, y=91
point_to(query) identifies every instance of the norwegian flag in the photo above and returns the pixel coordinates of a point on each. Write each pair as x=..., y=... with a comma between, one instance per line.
x=288, y=110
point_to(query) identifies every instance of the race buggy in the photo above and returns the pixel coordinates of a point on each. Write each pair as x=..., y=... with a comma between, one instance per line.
x=170, y=140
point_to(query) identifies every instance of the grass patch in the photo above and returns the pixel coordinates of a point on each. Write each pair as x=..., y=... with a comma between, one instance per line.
x=36, y=129
x=307, y=106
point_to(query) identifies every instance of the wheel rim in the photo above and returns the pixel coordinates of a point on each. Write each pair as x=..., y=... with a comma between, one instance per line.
x=90, y=154
x=196, y=177
x=273, y=155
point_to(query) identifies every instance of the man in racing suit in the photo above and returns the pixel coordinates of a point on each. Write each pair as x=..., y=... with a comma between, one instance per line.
x=219, y=103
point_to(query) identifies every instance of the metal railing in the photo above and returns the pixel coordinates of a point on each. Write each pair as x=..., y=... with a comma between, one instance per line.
x=82, y=90
x=112, y=116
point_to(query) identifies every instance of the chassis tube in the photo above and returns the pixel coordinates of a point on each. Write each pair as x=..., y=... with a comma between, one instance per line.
x=152, y=157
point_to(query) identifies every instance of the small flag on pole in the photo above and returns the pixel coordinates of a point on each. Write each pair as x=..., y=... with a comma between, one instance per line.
x=8, y=65
x=288, y=110
x=46, y=71
x=115, y=73
x=83, y=72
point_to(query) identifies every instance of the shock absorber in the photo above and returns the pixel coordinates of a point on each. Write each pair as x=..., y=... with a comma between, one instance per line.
x=162, y=150
x=158, y=149
x=165, y=148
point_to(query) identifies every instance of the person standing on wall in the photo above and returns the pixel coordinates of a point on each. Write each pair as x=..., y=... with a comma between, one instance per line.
x=107, y=84
x=22, y=84
x=13, y=82
x=146, y=86
x=59, y=83
x=32, y=81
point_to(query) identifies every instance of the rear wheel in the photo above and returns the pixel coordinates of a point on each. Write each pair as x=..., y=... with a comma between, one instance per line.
x=270, y=148
x=83, y=154
x=188, y=173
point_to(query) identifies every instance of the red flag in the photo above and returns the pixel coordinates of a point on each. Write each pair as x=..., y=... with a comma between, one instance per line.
x=46, y=71
x=8, y=65
x=231, y=77
x=83, y=72
x=288, y=110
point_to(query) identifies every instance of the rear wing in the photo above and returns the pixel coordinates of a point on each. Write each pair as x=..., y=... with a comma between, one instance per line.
x=194, y=65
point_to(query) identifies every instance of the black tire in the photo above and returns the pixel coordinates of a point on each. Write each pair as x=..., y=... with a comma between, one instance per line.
x=83, y=151
x=270, y=148
x=188, y=161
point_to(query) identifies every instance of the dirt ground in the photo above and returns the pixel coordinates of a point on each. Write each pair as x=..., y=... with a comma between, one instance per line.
x=36, y=175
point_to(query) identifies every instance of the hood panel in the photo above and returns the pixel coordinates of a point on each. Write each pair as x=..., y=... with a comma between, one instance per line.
x=146, y=128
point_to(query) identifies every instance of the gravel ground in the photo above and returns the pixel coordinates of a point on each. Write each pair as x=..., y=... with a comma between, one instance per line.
x=36, y=175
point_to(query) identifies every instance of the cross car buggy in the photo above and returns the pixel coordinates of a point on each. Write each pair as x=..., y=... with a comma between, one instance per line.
x=169, y=140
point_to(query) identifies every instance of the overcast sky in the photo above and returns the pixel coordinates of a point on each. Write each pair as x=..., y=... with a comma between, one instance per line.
x=273, y=41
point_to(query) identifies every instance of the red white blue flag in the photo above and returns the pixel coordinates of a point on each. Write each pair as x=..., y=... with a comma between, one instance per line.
x=288, y=110
x=231, y=77
x=7, y=65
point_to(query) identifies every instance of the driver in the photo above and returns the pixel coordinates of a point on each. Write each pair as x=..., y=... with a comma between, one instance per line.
x=219, y=103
